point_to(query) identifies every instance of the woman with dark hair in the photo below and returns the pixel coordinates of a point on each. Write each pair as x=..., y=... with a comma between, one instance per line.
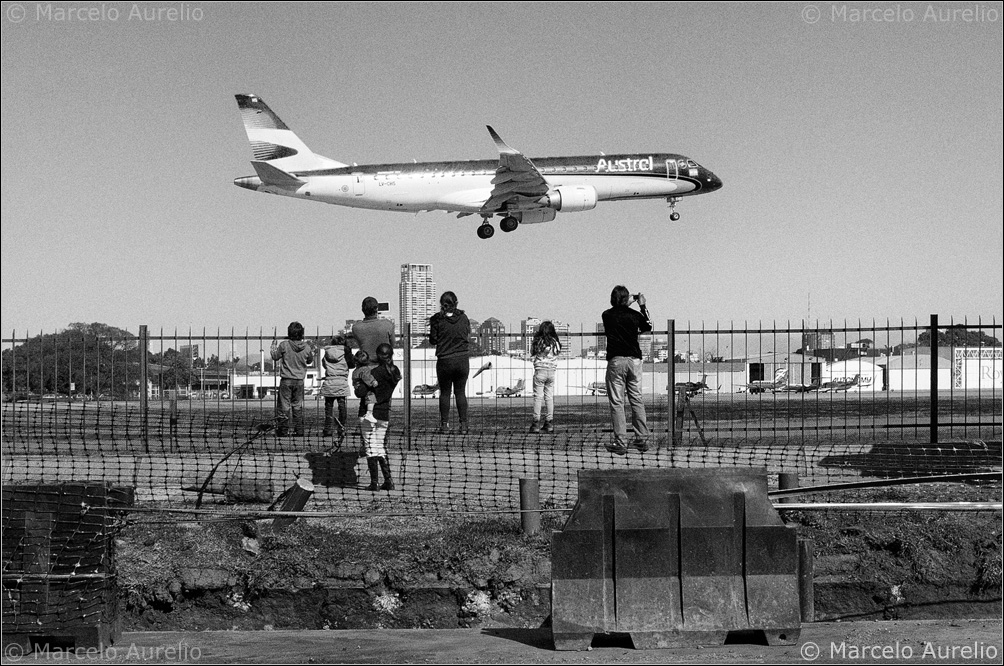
x=450, y=334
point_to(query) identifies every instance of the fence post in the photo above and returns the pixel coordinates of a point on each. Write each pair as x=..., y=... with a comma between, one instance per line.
x=671, y=382
x=934, y=379
x=406, y=350
x=786, y=481
x=529, y=505
x=144, y=377
x=806, y=588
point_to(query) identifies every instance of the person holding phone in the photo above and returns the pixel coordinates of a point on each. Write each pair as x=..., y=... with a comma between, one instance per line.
x=622, y=326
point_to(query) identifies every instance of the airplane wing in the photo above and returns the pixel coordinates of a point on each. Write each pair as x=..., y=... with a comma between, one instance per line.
x=517, y=182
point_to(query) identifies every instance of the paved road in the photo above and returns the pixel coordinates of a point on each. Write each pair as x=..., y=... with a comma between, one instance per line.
x=919, y=642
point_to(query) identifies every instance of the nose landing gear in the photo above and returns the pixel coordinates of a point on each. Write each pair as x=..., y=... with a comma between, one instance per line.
x=672, y=206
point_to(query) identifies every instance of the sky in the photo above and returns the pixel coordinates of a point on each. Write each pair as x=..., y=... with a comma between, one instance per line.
x=860, y=146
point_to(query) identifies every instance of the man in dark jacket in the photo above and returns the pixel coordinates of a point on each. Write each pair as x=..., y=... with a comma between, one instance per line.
x=622, y=326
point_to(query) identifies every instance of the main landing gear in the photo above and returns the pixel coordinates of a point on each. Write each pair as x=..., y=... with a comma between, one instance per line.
x=672, y=206
x=508, y=223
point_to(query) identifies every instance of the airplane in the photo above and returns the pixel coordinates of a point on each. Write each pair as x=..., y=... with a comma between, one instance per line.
x=694, y=388
x=762, y=385
x=425, y=390
x=514, y=187
x=596, y=388
x=842, y=384
x=511, y=391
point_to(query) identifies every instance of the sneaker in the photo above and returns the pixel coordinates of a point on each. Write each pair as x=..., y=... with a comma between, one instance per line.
x=547, y=427
x=372, y=487
x=369, y=417
x=535, y=426
x=639, y=444
x=618, y=449
x=387, y=485
x=443, y=429
x=462, y=429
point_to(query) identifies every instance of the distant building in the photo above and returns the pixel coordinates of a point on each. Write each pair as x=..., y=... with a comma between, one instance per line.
x=189, y=353
x=812, y=340
x=601, y=341
x=417, y=299
x=492, y=336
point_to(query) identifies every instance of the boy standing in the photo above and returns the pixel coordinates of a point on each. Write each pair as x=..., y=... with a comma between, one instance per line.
x=292, y=357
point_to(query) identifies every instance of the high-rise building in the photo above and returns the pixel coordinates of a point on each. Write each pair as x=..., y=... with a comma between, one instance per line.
x=492, y=335
x=417, y=295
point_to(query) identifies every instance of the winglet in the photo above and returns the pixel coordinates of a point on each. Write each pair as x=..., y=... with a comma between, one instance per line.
x=272, y=175
x=499, y=143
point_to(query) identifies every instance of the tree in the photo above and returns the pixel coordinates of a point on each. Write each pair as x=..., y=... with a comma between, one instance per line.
x=959, y=336
x=88, y=359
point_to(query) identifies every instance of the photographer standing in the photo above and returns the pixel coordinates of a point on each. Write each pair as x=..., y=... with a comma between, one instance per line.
x=622, y=326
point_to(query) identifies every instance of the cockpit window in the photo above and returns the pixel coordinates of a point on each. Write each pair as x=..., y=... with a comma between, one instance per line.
x=692, y=164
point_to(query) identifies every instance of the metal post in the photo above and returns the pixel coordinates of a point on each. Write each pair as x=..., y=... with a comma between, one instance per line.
x=671, y=382
x=785, y=481
x=406, y=345
x=529, y=505
x=934, y=379
x=144, y=377
x=806, y=589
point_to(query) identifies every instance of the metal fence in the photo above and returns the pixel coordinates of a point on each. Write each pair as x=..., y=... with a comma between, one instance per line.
x=163, y=412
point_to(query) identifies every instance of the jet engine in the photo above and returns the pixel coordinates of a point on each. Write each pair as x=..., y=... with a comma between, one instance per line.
x=571, y=199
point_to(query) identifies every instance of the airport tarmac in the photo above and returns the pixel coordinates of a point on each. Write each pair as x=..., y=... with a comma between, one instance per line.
x=913, y=641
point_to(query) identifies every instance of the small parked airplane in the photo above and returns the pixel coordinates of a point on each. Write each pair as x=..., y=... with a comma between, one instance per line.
x=694, y=388
x=425, y=390
x=597, y=388
x=777, y=384
x=518, y=189
x=842, y=384
x=511, y=391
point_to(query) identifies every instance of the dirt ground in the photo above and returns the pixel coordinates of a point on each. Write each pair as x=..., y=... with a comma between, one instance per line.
x=414, y=572
x=942, y=641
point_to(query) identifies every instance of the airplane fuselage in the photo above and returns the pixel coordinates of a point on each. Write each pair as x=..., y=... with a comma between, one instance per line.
x=463, y=186
x=514, y=187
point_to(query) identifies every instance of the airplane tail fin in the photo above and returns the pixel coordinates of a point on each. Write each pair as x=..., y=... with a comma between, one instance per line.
x=781, y=375
x=272, y=142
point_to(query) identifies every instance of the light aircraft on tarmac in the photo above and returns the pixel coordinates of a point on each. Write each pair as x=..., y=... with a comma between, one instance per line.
x=597, y=388
x=425, y=390
x=842, y=384
x=511, y=391
x=763, y=385
x=518, y=189
x=694, y=388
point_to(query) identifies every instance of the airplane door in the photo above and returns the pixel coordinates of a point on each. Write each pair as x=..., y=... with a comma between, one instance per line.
x=358, y=188
x=671, y=169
